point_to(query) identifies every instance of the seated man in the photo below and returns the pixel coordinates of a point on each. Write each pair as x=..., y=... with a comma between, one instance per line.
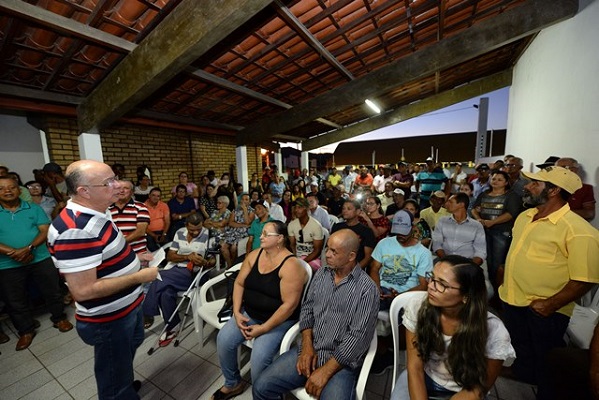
x=432, y=214
x=306, y=236
x=186, y=256
x=400, y=263
x=160, y=220
x=337, y=322
x=459, y=234
x=351, y=221
x=317, y=212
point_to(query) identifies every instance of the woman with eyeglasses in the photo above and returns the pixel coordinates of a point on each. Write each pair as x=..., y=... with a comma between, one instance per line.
x=373, y=217
x=47, y=203
x=266, y=299
x=455, y=347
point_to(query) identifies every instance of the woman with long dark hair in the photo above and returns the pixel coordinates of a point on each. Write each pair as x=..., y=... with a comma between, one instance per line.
x=373, y=217
x=454, y=345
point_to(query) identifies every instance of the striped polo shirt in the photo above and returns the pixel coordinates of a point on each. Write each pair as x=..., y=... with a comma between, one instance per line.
x=81, y=239
x=127, y=218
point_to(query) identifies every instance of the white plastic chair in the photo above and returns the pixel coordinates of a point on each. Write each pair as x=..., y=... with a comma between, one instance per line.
x=333, y=219
x=206, y=312
x=396, y=306
x=582, y=323
x=300, y=393
x=323, y=253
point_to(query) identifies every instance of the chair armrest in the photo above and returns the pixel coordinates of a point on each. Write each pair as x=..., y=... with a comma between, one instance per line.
x=289, y=338
x=202, y=298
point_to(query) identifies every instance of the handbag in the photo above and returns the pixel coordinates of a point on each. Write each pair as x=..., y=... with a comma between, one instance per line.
x=226, y=312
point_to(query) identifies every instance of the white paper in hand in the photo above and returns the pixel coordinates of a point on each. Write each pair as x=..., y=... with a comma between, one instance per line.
x=159, y=256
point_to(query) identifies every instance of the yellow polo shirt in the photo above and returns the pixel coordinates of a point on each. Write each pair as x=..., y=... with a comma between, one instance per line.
x=546, y=254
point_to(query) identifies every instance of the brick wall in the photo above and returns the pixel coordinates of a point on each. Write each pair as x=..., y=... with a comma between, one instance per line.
x=165, y=151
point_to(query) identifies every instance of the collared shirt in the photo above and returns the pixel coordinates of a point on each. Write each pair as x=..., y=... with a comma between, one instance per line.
x=81, y=239
x=342, y=317
x=180, y=245
x=546, y=254
x=19, y=228
x=127, y=218
x=256, y=230
x=158, y=215
x=430, y=182
x=466, y=238
x=479, y=187
x=431, y=217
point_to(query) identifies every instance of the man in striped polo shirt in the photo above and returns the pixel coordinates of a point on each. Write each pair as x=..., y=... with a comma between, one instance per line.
x=337, y=322
x=104, y=276
x=131, y=217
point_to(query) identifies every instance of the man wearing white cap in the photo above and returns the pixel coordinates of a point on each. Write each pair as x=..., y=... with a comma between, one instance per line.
x=553, y=260
x=433, y=213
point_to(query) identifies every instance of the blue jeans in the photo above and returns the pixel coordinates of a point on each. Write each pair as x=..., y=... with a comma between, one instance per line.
x=114, y=344
x=162, y=294
x=264, y=349
x=433, y=389
x=498, y=244
x=282, y=376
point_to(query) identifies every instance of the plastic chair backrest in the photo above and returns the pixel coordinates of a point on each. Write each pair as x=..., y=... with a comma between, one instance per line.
x=396, y=306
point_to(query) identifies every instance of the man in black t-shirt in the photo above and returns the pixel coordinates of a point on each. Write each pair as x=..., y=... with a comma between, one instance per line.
x=367, y=242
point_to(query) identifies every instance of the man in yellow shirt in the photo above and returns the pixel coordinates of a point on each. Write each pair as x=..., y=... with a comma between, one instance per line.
x=553, y=260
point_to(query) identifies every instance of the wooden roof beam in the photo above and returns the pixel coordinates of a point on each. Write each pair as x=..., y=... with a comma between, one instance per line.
x=189, y=31
x=432, y=103
x=521, y=21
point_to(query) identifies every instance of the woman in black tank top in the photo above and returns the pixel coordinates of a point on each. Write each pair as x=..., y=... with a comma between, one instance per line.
x=266, y=303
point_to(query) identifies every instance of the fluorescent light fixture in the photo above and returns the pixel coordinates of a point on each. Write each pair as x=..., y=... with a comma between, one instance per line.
x=373, y=106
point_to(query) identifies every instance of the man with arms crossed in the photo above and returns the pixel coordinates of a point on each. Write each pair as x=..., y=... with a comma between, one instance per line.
x=103, y=274
x=337, y=322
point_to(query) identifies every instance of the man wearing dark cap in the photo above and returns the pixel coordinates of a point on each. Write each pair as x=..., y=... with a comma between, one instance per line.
x=306, y=236
x=481, y=183
x=553, y=261
x=549, y=162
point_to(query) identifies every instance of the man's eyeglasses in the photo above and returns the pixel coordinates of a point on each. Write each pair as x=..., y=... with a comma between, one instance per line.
x=511, y=165
x=34, y=187
x=110, y=182
x=437, y=284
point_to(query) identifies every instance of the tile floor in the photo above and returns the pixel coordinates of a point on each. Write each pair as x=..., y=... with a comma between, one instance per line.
x=60, y=366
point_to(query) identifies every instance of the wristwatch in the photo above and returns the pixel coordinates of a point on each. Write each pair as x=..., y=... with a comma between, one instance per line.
x=31, y=247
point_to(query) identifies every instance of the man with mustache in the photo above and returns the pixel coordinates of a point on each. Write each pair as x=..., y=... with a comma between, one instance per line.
x=553, y=260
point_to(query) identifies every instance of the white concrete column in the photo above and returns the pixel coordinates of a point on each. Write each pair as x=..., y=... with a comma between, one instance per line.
x=305, y=161
x=90, y=147
x=279, y=160
x=241, y=155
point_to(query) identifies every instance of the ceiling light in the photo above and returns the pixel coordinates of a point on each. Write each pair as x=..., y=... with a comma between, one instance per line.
x=373, y=106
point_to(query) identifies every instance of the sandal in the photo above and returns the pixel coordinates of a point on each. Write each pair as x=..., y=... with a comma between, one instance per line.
x=220, y=395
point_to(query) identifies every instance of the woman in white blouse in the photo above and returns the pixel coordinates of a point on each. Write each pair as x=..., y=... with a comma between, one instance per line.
x=455, y=347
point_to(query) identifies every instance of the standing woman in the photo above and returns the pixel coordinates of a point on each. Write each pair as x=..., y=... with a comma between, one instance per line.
x=455, y=347
x=208, y=201
x=266, y=299
x=372, y=216
x=239, y=223
x=496, y=209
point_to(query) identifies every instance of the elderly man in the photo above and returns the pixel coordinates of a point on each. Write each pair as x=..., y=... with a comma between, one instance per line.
x=317, y=212
x=518, y=181
x=104, y=276
x=305, y=234
x=186, y=256
x=160, y=220
x=24, y=256
x=337, y=322
x=131, y=217
x=458, y=233
x=582, y=202
x=399, y=263
x=553, y=260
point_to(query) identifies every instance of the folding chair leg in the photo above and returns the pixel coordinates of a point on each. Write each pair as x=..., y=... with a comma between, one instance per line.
x=182, y=324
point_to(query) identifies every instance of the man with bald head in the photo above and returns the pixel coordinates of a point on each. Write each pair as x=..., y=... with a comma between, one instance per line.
x=337, y=322
x=104, y=276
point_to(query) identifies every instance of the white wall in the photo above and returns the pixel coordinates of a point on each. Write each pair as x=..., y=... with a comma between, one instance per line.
x=554, y=98
x=20, y=146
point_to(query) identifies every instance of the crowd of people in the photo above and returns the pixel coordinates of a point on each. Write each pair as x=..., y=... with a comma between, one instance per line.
x=502, y=253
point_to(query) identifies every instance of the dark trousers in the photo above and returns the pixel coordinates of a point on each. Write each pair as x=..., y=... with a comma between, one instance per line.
x=151, y=243
x=533, y=336
x=569, y=373
x=13, y=283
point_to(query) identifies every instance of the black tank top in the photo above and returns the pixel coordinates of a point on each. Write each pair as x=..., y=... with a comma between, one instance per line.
x=262, y=292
